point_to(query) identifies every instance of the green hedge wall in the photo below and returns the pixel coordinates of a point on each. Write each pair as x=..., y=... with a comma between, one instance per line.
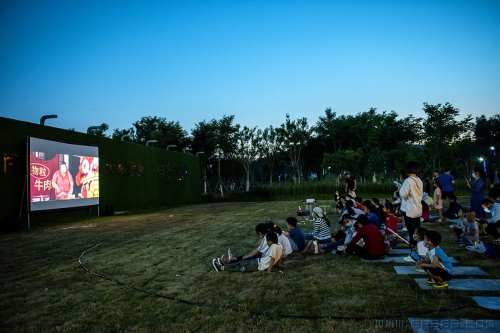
x=168, y=178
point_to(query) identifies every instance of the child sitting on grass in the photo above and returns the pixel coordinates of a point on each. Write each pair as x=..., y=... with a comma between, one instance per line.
x=419, y=252
x=470, y=235
x=261, y=230
x=391, y=222
x=295, y=235
x=271, y=258
x=458, y=228
x=282, y=239
x=436, y=264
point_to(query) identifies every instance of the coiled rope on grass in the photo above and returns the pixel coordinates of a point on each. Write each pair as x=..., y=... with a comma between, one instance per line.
x=268, y=314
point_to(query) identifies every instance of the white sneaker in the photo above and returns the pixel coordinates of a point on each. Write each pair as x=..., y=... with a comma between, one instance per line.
x=408, y=259
x=404, y=229
x=419, y=269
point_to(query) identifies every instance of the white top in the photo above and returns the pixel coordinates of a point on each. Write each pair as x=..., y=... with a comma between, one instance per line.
x=274, y=251
x=421, y=249
x=495, y=213
x=411, y=195
x=263, y=245
x=285, y=244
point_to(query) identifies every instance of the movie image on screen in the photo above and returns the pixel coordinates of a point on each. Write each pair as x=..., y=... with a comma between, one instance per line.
x=62, y=175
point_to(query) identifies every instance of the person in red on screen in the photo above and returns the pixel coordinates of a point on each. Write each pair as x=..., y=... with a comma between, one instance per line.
x=62, y=183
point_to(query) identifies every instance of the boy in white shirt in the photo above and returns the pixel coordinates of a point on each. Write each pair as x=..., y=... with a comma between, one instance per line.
x=271, y=258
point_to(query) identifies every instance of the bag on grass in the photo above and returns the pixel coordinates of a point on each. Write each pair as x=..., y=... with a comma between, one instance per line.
x=479, y=248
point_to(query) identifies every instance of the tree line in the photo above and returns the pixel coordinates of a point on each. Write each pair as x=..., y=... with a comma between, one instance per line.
x=371, y=145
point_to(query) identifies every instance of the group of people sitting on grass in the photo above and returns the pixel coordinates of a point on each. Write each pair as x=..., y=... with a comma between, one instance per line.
x=369, y=229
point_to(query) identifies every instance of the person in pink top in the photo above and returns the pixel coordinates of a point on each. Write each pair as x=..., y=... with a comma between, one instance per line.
x=438, y=200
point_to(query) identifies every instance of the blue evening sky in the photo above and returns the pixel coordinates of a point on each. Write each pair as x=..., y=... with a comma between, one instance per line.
x=91, y=62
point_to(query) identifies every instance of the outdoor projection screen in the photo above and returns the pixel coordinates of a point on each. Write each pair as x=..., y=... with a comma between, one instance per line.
x=62, y=175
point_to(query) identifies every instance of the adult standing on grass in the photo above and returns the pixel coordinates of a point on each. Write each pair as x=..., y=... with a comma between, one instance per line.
x=447, y=181
x=350, y=183
x=411, y=193
x=477, y=191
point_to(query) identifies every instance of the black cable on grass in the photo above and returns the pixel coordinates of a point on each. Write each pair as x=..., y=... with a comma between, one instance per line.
x=267, y=314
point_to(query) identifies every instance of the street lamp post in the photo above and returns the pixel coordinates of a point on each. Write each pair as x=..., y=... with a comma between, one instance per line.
x=92, y=128
x=171, y=146
x=150, y=141
x=484, y=163
x=49, y=116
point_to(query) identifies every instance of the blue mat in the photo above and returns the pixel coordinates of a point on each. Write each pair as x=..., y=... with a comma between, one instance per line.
x=488, y=302
x=435, y=217
x=465, y=284
x=409, y=270
x=400, y=260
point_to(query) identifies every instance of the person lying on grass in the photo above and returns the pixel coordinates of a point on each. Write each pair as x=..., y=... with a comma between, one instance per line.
x=271, y=258
x=436, y=264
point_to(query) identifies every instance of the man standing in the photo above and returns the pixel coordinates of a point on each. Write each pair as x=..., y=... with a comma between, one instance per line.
x=447, y=181
x=350, y=183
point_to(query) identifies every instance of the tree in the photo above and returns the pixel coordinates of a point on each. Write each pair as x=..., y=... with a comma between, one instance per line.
x=487, y=131
x=118, y=134
x=294, y=135
x=217, y=139
x=247, y=149
x=441, y=128
x=165, y=132
x=269, y=147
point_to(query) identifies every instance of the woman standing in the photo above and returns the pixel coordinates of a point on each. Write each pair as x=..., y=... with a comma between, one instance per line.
x=411, y=193
x=477, y=192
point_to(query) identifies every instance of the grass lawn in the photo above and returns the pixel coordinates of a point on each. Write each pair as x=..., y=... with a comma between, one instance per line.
x=166, y=283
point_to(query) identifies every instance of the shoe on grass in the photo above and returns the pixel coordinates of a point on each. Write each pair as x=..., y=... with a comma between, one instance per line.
x=442, y=284
x=216, y=265
x=430, y=281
